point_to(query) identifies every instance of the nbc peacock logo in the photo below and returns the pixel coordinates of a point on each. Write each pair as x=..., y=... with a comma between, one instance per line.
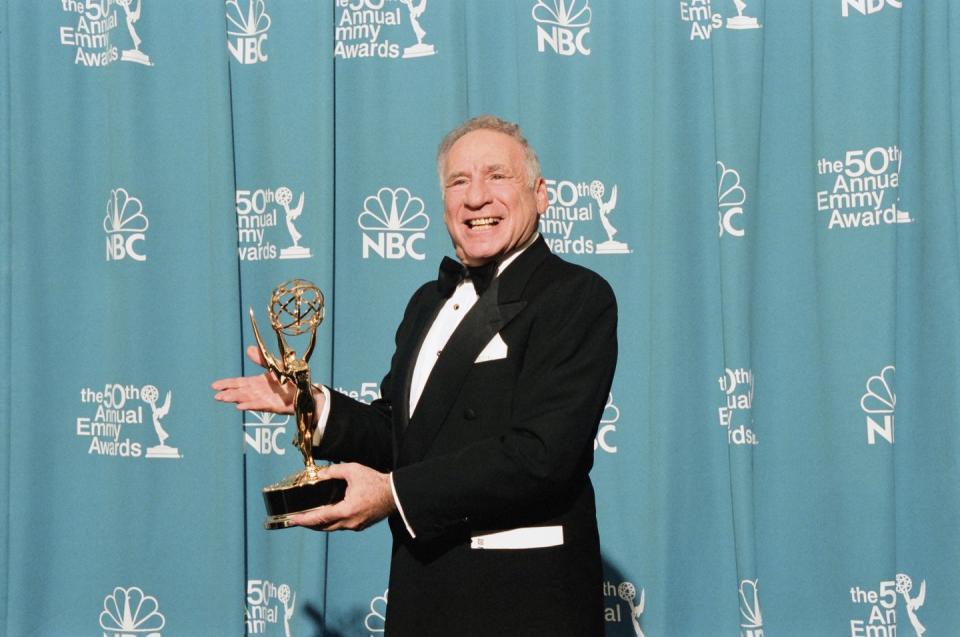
x=608, y=425
x=730, y=200
x=879, y=403
x=563, y=25
x=751, y=620
x=129, y=612
x=376, y=620
x=126, y=225
x=392, y=222
x=247, y=26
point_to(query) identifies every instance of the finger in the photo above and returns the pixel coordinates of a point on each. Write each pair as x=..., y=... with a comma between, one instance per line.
x=225, y=383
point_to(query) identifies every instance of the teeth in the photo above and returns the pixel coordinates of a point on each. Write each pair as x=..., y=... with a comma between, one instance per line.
x=483, y=221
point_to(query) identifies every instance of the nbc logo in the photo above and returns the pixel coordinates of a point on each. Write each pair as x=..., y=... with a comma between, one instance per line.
x=262, y=435
x=866, y=7
x=396, y=220
x=247, y=26
x=376, y=619
x=751, y=624
x=129, y=611
x=880, y=401
x=730, y=199
x=125, y=225
x=608, y=424
x=563, y=25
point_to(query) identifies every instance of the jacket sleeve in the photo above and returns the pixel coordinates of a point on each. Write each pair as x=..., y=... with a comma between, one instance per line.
x=358, y=432
x=547, y=450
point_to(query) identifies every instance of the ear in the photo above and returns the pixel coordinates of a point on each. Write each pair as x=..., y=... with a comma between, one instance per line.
x=540, y=192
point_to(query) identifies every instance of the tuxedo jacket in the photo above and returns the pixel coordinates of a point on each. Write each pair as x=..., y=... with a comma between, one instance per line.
x=494, y=445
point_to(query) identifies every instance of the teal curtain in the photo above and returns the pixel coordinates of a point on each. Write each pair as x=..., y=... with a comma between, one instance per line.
x=770, y=187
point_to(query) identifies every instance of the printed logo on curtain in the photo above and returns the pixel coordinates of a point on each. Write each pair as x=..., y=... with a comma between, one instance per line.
x=263, y=435
x=381, y=29
x=866, y=7
x=126, y=225
x=861, y=189
x=562, y=26
x=392, y=223
x=751, y=620
x=608, y=426
x=704, y=16
x=247, y=26
x=621, y=605
x=375, y=621
x=879, y=403
x=731, y=198
x=266, y=218
x=367, y=393
x=130, y=611
x=113, y=422
x=269, y=608
x=735, y=412
x=580, y=218
x=93, y=29
x=876, y=608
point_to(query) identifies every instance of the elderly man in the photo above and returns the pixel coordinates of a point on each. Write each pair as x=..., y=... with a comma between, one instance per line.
x=480, y=449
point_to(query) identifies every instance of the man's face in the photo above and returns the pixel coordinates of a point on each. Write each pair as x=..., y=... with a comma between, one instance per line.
x=490, y=208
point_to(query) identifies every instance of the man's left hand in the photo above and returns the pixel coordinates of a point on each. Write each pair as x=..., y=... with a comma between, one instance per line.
x=367, y=501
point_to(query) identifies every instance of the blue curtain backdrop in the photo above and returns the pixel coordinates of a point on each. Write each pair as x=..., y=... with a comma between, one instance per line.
x=771, y=188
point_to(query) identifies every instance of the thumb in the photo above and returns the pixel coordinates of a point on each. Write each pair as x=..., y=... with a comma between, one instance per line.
x=340, y=471
x=253, y=353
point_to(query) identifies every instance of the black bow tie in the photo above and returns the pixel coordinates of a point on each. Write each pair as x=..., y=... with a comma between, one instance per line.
x=452, y=272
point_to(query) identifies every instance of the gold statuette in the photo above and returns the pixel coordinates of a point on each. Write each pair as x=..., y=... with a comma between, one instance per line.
x=296, y=308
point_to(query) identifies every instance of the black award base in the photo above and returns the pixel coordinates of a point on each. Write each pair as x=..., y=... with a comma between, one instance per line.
x=297, y=494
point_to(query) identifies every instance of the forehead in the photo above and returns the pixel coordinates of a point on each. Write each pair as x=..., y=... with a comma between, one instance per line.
x=484, y=148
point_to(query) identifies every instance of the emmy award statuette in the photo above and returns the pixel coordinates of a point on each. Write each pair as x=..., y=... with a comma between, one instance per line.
x=296, y=308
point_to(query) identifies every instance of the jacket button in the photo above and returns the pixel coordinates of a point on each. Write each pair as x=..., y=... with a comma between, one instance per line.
x=469, y=414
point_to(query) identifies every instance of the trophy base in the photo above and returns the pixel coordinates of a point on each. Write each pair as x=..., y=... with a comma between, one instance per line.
x=742, y=22
x=295, y=252
x=418, y=51
x=133, y=55
x=613, y=247
x=163, y=451
x=299, y=493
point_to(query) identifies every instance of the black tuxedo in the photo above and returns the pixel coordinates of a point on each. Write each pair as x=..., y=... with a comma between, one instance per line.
x=494, y=445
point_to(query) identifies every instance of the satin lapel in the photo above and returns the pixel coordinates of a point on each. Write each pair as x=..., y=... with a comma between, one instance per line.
x=493, y=311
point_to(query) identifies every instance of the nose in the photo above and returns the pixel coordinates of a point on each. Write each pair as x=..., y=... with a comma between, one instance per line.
x=477, y=194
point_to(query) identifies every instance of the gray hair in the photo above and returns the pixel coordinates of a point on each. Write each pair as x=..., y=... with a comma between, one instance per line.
x=493, y=123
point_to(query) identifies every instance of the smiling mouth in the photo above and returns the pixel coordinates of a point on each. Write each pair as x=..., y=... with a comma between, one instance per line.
x=482, y=222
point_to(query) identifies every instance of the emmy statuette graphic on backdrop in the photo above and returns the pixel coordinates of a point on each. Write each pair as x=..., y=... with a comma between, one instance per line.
x=741, y=21
x=610, y=246
x=133, y=15
x=419, y=49
x=296, y=307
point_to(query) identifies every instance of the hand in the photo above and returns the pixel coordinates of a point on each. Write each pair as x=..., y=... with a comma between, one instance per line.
x=259, y=393
x=368, y=500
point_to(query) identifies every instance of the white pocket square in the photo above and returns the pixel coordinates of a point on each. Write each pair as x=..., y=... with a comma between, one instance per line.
x=495, y=350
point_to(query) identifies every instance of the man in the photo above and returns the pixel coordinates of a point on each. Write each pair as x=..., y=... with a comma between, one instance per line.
x=480, y=449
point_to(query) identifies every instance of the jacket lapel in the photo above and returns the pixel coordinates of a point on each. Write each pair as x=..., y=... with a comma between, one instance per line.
x=495, y=308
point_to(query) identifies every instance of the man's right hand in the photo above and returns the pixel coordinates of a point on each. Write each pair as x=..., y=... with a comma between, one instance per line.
x=259, y=393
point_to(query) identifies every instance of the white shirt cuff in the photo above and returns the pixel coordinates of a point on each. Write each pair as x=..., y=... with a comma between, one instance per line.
x=396, y=501
x=324, y=415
